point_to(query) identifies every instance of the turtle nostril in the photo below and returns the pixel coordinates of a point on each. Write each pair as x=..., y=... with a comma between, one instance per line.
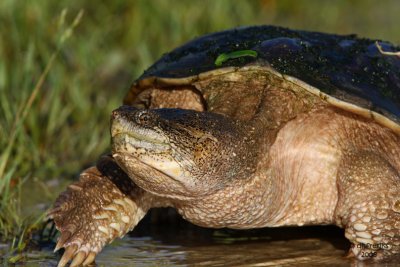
x=123, y=111
x=114, y=113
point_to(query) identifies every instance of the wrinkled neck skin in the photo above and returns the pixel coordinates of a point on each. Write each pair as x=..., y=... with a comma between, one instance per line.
x=246, y=201
x=257, y=197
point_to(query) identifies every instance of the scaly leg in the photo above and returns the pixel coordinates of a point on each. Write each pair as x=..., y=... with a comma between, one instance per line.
x=104, y=204
x=369, y=206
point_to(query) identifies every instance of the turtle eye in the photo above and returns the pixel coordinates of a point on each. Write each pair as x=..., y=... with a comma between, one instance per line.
x=143, y=118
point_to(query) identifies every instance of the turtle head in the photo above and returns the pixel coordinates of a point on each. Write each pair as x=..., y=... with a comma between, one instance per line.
x=176, y=152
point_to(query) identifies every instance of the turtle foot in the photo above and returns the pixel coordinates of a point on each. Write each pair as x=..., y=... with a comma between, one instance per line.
x=369, y=208
x=90, y=214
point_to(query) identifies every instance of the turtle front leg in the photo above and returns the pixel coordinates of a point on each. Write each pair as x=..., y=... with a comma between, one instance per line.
x=369, y=206
x=102, y=205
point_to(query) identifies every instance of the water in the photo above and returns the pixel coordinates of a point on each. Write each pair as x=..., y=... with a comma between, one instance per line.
x=170, y=241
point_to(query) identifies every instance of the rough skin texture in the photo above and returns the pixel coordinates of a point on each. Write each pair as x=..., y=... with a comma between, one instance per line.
x=369, y=205
x=355, y=183
x=244, y=149
x=102, y=205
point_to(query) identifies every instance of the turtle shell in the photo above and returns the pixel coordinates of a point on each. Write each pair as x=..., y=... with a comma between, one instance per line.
x=345, y=70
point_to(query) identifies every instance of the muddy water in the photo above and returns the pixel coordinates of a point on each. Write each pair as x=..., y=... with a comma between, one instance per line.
x=170, y=241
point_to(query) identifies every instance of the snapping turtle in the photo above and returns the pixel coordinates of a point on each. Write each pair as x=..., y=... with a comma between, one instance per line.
x=251, y=127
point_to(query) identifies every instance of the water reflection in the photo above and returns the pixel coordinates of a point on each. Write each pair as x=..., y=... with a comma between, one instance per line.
x=170, y=241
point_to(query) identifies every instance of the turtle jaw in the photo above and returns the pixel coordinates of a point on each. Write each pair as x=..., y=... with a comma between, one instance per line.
x=157, y=156
x=136, y=126
x=151, y=166
x=157, y=181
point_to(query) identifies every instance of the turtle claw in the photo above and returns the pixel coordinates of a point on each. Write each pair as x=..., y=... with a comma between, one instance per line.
x=89, y=259
x=67, y=256
x=62, y=240
x=78, y=259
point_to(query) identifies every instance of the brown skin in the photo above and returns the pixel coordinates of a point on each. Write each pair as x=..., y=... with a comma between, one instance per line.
x=281, y=157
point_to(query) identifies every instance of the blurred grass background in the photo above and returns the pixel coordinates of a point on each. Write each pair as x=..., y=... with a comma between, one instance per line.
x=66, y=127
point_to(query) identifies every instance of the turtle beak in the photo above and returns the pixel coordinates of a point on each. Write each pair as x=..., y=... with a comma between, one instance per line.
x=120, y=119
x=123, y=112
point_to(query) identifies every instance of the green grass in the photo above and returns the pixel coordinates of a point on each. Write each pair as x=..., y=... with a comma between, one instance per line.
x=56, y=93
